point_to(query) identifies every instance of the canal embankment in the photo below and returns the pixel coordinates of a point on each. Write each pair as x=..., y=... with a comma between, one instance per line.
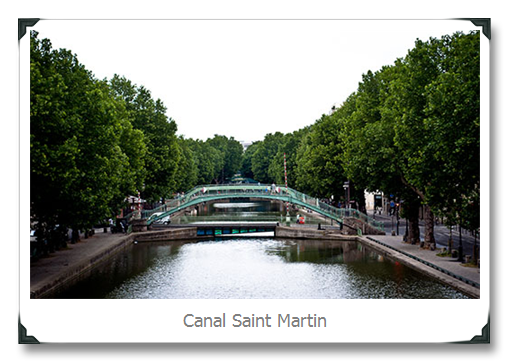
x=446, y=270
x=63, y=268
x=312, y=233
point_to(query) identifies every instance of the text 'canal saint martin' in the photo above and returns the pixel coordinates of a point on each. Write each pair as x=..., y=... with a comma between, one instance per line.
x=240, y=321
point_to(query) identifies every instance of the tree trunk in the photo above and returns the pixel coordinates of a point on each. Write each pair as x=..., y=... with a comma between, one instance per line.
x=363, y=204
x=413, y=213
x=430, y=241
x=450, y=241
x=475, y=254
x=461, y=247
x=75, y=236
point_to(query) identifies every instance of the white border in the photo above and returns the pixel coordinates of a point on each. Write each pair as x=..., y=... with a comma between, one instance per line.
x=161, y=320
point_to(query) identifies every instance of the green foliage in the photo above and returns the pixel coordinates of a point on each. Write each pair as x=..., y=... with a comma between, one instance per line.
x=85, y=155
x=263, y=156
x=367, y=134
x=93, y=143
x=187, y=168
x=319, y=170
x=231, y=154
x=453, y=118
x=411, y=129
x=209, y=161
x=288, y=146
x=163, y=152
x=246, y=164
x=439, y=136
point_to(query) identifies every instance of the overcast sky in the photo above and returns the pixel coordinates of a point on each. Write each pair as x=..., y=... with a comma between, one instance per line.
x=242, y=78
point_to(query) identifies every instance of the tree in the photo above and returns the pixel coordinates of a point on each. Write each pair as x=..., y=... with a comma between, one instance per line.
x=289, y=146
x=319, y=170
x=187, y=168
x=263, y=156
x=246, y=164
x=453, y=118
x=408, y=104
x=149, y=116
x=82, y=146
x=209, y=161
x=231, y=156
x=437, y=131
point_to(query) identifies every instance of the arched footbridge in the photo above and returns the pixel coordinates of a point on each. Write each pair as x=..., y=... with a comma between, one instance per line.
x=207, y=193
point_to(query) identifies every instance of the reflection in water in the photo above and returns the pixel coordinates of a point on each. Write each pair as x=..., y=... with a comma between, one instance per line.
x=257, y=269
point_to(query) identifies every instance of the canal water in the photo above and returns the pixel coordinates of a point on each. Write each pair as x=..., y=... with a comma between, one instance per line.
x=254, y=268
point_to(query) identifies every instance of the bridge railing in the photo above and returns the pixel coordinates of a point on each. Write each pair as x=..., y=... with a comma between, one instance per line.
x=209, y=190
x=337, y=213
x=205, y=192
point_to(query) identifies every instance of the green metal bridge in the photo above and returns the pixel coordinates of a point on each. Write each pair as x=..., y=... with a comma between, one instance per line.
x=207, y=193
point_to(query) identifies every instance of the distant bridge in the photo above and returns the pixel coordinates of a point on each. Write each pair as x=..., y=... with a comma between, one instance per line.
x=208, y=193
x=217, y=229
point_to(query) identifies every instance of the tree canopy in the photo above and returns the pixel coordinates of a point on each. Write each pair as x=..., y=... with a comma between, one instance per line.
x=85, y=154
x=411, y=129
x=95, y=142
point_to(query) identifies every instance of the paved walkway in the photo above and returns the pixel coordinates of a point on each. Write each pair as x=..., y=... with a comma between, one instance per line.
x=441, y=232
x=48, y=271
x=445, y=269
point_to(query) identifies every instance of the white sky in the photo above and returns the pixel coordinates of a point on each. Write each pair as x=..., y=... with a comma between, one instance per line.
x=242, y=78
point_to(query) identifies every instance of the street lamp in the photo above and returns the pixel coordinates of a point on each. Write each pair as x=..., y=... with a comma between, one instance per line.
x=397, y=207
x=287, y=217
x=406, y=236
x=347, y=196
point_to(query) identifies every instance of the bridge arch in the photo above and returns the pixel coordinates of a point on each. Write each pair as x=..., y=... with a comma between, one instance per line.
x=208, y=193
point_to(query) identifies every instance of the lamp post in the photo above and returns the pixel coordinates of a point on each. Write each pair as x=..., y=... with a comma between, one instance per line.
x=461, y=252
x=139, y=206
x=406, y=235
x=397, y=208
x=287, y=217
x=347, y=197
